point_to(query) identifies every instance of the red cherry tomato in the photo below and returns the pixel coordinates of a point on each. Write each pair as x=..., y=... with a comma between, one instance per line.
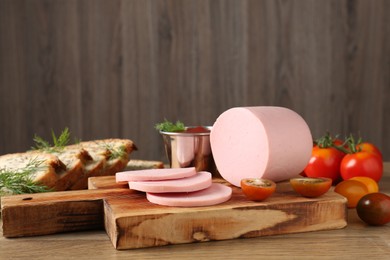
x=311, y=187
x=257, y=189
x=339, y=142
x=361, y=164
x=369, y=147
x=325, y=162
x=352, y=190
x=374, y=209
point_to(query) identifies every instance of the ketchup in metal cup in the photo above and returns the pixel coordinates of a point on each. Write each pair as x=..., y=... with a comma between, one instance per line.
x=190, y=148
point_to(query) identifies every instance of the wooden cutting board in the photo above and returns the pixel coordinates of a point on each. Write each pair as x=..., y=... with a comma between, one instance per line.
x=132, y=222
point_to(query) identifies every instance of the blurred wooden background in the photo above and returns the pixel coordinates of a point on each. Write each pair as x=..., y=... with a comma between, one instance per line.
x=114, y=68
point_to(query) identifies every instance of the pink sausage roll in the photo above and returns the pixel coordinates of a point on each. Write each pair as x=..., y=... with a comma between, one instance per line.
x=265, y=142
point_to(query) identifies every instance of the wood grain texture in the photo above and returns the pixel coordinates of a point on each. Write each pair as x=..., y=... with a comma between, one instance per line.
x=55, y=212
x=356, y=241
x=135, y=224
x=115, y=68
x=131, y=221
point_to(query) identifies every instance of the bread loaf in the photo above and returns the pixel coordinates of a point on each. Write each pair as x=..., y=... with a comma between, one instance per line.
x=94, y=166
x=71, y=166
x=108, y=157
x=136, y=164
x=45, y=168
x=75, y=158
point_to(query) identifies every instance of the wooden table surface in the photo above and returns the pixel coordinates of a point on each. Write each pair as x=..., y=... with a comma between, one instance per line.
x=356, y=241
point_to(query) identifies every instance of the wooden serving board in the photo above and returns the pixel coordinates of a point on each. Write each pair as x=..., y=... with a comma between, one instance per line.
x=132, y=222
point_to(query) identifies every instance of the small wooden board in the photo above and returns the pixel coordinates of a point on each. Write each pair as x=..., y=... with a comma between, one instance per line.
x=132, y=222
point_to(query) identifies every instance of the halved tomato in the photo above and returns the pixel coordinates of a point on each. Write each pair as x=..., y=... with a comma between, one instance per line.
x=257, y=189
x=311, y=187
x=371, y=184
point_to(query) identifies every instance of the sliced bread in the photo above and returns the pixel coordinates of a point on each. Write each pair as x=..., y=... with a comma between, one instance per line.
x=136, y=164
x=44, y=167
x=108, y=157
x=75, y=159
x=70, y=167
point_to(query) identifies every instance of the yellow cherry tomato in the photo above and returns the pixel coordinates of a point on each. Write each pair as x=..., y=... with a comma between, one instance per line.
x=353, y=190
x=370, y=183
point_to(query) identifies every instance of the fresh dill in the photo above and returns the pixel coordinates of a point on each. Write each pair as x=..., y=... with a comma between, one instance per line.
x=21, y=181
x=115, y=152
x=58, y=142
x=168, y=126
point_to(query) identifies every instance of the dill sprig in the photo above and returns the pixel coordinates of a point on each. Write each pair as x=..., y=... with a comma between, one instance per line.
x=115, y=152
x=58, y=142
x=21, y=181
x=168, y=126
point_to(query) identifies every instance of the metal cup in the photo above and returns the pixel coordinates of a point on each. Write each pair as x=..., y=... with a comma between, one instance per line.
x=189, y=150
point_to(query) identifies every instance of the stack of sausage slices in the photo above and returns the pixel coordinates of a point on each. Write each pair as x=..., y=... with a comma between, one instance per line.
x=179, y=187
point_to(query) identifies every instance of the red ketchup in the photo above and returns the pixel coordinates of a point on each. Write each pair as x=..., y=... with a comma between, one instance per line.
x=197, y=129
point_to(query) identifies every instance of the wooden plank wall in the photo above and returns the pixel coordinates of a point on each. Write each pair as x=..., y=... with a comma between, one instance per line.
x=115, y=68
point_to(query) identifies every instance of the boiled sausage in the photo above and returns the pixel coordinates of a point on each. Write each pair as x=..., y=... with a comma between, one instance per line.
x=155, y=174
x=201, y=180
x=215, y=194
x=267, y=142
